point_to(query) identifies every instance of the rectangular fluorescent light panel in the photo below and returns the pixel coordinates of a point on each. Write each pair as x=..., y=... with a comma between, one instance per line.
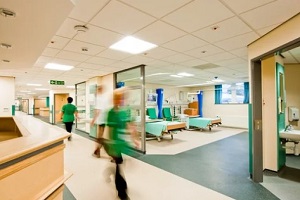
x=70, y=86
x=177, y=76
x=132, y=45
x=56, y=66
x=185, y=74
x=33, y=84
x=42, y=89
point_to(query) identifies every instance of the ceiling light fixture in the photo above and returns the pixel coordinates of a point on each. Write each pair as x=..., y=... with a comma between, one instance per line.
x=132, y=45
x=7, y=13
x=56, y=66
x=81, y=28
x=177, y=76
x=33, y=84
x=185, y=74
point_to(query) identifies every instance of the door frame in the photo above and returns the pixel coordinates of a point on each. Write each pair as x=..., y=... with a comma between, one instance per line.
x=256, y=156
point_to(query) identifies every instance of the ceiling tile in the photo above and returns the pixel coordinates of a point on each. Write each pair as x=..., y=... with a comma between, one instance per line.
x=177, y=58
x=230, y=62
x=78, y=46
x=184, y=43
x=271, y=14
x=198, y=14
x=240, y=52
x=50, y=52
x=126, y=20
x=204, y=51
x=238, y=41
x=98, y=36
x=67, y=28
x=241, y=6
x=58, y=42
x=89, y=66
x=138, y=59
x=160, y=52
x=159, y=33
x=225, y=29
x=93, y=7
x=157, y=8
x=100, y=61
x=72, y=56
x=194, y=62
x=64, y=61
x=288, y=58
x=267, y=29
x=113, y=54
x=219, y=57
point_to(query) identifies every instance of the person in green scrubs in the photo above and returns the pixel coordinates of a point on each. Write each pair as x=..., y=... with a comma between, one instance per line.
x=119, y=124
x=68, y=114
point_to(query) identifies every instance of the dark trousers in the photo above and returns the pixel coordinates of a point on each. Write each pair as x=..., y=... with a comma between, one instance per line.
x=69, y=126
x=120, y=182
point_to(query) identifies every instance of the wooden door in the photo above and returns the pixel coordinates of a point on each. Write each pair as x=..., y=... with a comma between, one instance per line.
x=59, y=101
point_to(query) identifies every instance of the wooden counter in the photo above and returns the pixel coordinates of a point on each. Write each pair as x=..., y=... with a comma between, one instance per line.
x=32, y=165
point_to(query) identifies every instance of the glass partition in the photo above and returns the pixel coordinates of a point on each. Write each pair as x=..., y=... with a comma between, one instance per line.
x=133, y=79
x=80, y=100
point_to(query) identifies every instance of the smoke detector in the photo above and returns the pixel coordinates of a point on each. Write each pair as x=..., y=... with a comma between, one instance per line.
x=7, y=13
x=81, y=28
x=5, y=46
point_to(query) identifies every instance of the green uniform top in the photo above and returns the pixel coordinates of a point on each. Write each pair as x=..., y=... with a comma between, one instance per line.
x=117, y=120
x=68, y=111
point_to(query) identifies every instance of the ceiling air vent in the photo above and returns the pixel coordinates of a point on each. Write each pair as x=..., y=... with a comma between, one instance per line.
x=206, y=66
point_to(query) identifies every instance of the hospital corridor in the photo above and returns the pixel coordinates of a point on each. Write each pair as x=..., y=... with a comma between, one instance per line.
x=194, y=165
x=149, y=99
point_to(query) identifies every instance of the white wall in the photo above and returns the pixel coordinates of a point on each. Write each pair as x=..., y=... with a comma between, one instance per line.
x=7, y=99
x=232, y=115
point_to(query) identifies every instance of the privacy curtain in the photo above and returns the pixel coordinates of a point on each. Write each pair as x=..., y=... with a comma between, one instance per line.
x=246, y=92
x=218, y=94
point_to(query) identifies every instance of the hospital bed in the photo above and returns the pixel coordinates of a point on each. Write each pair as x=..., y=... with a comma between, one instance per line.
x=160, y=128
x=201, y=122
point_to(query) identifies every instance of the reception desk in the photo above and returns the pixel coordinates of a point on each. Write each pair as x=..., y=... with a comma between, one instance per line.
x=31, y=161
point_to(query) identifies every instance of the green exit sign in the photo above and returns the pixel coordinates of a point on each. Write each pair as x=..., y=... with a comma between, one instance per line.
x=55, y=82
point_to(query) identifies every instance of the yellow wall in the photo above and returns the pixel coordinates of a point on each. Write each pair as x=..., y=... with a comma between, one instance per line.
x=292, y=82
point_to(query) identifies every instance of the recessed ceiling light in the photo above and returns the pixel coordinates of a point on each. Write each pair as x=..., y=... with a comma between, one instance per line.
x=33, y=84
x=7, y=13
x=42, y=89
x=185, y=74
x=71, y=86
x=177, y=76
x=132, y=45
x=56, y=66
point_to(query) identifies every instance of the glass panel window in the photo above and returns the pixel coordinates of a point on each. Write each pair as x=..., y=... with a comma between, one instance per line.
x=232, y=93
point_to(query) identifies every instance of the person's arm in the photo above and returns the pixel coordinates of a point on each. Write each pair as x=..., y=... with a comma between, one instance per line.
x=76, y=114
x=96, y=115
x=62, y=112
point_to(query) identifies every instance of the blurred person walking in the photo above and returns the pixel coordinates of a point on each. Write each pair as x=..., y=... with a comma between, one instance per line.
x=119, y=125
x=68, y=114
x=99, y=120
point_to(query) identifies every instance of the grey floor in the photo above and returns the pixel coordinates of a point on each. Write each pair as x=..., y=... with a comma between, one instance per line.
x=227, y=173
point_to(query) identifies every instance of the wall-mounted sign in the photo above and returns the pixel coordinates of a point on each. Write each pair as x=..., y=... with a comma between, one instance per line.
x=56, y=82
